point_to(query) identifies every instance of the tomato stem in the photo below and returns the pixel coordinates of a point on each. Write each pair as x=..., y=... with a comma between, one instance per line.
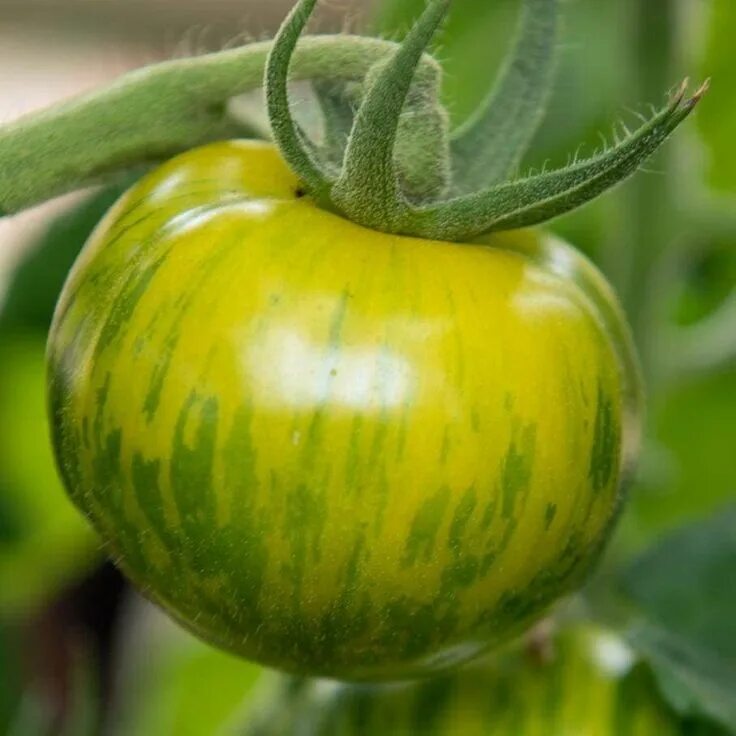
x=156, y=112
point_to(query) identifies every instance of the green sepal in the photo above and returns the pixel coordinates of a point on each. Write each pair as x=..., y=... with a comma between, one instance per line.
x=423, y=131
x=368, y=189
x=490, y=145
x=338, y=114
x=371, y=191
x=291, y=139
x=398, y=171
x=539, y=198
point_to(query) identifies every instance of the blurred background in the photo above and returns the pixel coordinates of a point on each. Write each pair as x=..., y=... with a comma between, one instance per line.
x=79, y=652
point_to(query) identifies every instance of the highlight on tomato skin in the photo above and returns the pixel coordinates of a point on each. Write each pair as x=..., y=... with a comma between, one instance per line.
x=332, y=450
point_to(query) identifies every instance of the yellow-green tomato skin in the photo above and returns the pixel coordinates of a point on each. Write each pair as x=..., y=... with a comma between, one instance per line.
x=325, y=448
x=588, y=684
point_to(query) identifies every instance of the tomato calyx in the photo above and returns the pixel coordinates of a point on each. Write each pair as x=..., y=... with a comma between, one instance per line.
x=366, y=170
x=387, y=158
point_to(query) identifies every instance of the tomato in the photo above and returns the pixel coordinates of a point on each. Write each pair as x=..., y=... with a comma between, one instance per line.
x=329, y=449
x=591, y=685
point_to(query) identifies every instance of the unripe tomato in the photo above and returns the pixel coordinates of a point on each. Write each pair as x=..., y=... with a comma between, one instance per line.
x=329, y=449
x=591, y=685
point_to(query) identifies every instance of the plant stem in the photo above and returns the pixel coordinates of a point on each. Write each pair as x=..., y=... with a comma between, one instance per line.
x=155, y=113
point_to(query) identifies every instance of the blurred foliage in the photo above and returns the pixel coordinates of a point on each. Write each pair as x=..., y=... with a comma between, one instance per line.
x=9, y=677
x=44, y=541
x=717, y=121
x=32, y=712
x=684, y=617
x=708, y=279
x=171, y=684
x=45, y=544
x=692, y=466
x=36, y=283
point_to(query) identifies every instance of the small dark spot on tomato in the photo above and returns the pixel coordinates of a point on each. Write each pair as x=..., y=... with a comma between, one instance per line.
x=300, y=192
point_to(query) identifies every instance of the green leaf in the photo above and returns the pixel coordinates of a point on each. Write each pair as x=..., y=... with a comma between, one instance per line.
x=696, y=683
x=683, y=616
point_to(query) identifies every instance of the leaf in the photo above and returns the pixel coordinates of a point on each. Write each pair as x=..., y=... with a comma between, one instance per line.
x=694, y=682
x=538, y=198
x=683, y=618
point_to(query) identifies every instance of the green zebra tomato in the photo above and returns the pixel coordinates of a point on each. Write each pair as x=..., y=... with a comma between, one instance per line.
x=329, y=449
x=592, y=685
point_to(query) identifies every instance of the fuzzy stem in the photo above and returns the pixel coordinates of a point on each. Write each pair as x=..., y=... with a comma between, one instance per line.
x=531, y=201
x=156, y=112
